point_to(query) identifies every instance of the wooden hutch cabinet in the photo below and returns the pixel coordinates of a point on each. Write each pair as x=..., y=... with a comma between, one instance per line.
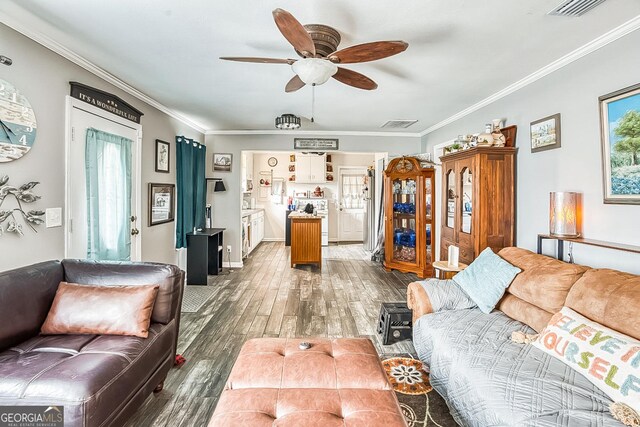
x=478, y=201
x=409, y=219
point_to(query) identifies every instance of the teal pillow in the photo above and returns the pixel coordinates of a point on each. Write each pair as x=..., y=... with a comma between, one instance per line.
x=486, y=279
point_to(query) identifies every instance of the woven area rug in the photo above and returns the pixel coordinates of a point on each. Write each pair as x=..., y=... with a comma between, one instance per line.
x=421, y=405
x=194, y=297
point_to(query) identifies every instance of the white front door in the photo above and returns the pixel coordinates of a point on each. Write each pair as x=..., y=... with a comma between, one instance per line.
x=80, y=117
x=351, y=204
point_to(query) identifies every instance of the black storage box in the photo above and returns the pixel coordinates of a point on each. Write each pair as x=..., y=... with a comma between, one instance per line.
x=394, y=323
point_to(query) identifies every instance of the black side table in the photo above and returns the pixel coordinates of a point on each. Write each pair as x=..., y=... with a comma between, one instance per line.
x=204, y=255
x=394, y=323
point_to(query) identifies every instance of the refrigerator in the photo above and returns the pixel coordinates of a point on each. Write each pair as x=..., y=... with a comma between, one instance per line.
x=369, y=234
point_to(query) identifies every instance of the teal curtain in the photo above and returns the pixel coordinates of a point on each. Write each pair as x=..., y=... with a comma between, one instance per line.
x=191, y=188
x=108, y=178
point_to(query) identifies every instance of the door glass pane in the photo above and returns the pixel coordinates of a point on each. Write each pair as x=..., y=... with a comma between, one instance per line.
x=451, y=199
x=467, y=200
x=404, y=220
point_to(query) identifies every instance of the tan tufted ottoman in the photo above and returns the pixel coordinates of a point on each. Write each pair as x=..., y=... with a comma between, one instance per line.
x=337, y=382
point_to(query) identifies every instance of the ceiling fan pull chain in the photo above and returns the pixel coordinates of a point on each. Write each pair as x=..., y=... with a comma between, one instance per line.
x=313, y=101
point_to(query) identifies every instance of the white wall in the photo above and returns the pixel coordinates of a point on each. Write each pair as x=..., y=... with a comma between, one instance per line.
x=572, y=91
x=274, y=213
x=43, y=77
x=227, y=206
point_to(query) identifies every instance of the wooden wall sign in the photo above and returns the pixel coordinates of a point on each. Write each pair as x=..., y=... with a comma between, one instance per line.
x=321, y=144
x=105, y=101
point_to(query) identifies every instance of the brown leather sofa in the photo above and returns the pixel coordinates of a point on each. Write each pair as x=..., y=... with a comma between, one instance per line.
x=100, y=380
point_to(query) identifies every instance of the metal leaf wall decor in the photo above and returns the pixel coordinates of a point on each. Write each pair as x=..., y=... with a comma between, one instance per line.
x=20, y=195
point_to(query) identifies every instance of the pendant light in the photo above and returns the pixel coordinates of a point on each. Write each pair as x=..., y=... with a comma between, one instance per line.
x=288, y=122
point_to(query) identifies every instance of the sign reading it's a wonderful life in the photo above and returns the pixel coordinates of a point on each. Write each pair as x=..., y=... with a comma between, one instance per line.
x=315, y=144
x=105, y=101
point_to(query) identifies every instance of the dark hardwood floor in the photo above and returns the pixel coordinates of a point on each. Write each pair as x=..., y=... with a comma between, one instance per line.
x=267, y=298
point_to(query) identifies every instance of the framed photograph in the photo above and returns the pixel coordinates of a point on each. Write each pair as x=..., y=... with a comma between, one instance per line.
x=545, y=133
x=620, y=138
x=161, y=203
x=222, y=162
x=163, y=154
x=292, y=157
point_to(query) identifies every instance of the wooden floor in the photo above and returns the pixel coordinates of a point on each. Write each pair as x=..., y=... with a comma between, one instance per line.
x=267, y=298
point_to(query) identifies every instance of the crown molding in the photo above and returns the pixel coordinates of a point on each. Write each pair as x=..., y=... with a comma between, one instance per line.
x=584, y=50
x=96, y=70
x=313, y=133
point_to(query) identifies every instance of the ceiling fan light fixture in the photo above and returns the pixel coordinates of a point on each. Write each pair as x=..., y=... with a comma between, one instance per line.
x=288, y=122
x=314, y=71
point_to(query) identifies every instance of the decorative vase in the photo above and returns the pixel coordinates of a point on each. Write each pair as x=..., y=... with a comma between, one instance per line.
x=486, y=139
x=499, y=140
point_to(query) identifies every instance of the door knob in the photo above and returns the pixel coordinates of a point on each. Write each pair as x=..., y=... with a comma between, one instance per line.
x=135, y=231
x=133, y=218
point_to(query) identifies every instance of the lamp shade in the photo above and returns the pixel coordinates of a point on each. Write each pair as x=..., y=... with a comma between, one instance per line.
x=314, y=71
x=219, y=186
x=563, y=214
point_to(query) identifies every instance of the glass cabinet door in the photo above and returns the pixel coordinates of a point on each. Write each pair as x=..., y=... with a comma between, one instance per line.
x=404, y=220
x=428, y=211
x=466, y=208
x=451, y=199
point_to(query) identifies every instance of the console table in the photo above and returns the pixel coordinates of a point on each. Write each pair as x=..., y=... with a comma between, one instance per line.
x=590, y=242
x=204, y=255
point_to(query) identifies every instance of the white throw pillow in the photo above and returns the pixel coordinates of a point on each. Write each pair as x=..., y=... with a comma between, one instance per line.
x=608, y=359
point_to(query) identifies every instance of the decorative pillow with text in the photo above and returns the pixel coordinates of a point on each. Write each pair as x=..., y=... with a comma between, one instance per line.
x=609, y=359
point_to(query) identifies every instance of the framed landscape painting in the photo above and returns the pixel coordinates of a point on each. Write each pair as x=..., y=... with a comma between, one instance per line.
x=620, y=136
x=545, y=133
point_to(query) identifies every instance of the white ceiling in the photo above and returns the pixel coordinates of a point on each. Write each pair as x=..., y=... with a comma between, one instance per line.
x=460, y=52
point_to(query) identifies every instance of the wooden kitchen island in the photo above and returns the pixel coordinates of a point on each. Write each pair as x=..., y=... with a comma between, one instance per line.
x=306, y=239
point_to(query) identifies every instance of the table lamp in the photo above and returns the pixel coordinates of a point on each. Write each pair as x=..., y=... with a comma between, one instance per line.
x=563, y=214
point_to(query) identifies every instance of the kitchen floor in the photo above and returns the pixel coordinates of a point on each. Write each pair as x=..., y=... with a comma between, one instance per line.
x=267, y=298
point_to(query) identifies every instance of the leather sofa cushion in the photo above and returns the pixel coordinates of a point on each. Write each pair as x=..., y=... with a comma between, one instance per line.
x=109, y=310
x=92, y=376
x=26, y=295
x=540, y=290
x=610, y=298
x=128, y=273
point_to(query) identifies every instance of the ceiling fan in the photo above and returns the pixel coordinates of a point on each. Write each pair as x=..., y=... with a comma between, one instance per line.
x=317, y=45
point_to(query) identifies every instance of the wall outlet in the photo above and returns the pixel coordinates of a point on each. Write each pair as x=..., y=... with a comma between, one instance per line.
x=228, y=248
x=53, y=217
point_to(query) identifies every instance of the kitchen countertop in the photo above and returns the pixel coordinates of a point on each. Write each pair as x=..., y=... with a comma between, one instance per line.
x=247, y=212
x=296, y=214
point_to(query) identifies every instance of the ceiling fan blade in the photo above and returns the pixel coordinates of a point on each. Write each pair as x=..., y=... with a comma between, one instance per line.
x=351, y=78
x=259, y=60
x=294, y=32
x=294, y=84
x=368, y=52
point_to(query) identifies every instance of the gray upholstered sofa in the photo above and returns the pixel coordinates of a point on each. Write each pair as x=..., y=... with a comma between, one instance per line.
x=488, y=380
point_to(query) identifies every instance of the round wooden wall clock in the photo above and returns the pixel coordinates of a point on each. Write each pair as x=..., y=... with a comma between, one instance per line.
x=272, y=161
x=17, y=123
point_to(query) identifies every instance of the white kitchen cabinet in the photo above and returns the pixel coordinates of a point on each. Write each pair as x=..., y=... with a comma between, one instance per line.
x=246, y=170
x=310, y=168
x=256, y=225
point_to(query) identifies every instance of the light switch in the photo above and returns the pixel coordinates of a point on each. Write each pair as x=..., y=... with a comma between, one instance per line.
x=53, y=217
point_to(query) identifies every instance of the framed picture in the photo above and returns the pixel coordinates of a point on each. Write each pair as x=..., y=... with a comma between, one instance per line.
x=161, y=203
x=222, y=162
x=620, y=138
x=545, y=133
x=163, y=154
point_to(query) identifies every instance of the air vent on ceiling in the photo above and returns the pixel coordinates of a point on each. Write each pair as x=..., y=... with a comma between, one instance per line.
x=575, y=7
x=398, y=124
